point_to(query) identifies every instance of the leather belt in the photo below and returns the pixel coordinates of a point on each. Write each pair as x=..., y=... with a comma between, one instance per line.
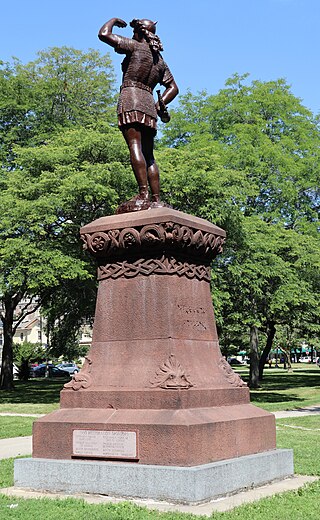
x=136, y=84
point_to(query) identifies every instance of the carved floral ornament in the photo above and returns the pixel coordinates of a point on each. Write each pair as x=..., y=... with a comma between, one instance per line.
x=83, y=378
x=170, y=375
x=106, y=243
x=233, y=378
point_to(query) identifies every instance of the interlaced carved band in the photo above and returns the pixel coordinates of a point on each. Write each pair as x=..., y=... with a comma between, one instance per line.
x=163, y=265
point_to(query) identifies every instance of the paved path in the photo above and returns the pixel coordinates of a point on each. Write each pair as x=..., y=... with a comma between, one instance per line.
x=10, y=414
x=15, y=447
x=225, y=503
x=300, y=412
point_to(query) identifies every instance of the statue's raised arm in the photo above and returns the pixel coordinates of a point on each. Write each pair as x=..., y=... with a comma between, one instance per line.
x=105, y=33
x=143, y=68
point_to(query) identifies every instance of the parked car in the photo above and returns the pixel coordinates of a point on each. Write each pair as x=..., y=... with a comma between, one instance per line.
x=37, y=369
x=305, y=359
x=15, y=371
x=235, y=361
x=71, y=368
x=40, y=371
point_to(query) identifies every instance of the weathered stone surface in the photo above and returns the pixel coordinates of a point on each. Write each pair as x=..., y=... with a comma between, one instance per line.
x=184, y=437
x=174, y=484
x=155, y=366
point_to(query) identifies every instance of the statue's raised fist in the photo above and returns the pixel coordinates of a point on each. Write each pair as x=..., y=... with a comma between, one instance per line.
x=120, y=23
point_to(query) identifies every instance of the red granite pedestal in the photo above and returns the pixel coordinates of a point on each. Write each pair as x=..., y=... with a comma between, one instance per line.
x=155, y=369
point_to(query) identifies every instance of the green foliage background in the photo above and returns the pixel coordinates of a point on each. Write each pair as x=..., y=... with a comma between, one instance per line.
x=246, y=159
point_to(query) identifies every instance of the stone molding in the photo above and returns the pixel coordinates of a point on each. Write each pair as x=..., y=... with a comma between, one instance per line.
x=165, y=236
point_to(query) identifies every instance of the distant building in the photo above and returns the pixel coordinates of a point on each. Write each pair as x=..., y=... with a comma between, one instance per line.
x=85, y=336
x=31, y=329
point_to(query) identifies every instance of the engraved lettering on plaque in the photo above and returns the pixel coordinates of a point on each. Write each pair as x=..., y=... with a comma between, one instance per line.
x=105, y=444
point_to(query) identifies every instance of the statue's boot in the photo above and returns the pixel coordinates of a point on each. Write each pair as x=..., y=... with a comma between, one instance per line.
x=137, y=203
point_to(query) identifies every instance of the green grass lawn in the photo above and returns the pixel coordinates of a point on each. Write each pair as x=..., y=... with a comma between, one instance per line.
x=299, y=505
x=299, y=433
x=15, y=426
x=281, y=390
x=303, y=435
x=40, y=395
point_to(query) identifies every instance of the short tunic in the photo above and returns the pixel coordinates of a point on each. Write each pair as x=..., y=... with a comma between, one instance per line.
x=142, y=71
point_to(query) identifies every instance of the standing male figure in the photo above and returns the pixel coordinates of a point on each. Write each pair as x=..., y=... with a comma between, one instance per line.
x=143, y=68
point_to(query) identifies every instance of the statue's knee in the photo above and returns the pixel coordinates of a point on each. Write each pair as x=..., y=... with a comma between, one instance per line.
x=138, y=160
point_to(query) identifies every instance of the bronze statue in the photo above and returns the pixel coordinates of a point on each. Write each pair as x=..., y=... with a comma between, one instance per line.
x=143, y=68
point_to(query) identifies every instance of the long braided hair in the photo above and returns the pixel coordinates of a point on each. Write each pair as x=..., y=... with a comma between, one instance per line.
x=150, y=36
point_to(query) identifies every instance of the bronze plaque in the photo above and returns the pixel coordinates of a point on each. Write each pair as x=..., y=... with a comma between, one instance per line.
x=105, y=444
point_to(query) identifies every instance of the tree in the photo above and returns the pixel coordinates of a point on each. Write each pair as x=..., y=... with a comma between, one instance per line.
x=62, y=100
x=246, y=159
x=63, y=87
x=271, y=283
x=266, y=134
x=265, y=138
x=58, y=187
x=24, y=353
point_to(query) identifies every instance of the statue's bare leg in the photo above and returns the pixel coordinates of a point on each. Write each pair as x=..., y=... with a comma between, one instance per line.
x=152, y=168
x=133, y=137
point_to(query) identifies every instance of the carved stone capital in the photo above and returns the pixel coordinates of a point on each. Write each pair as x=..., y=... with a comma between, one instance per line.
x=161, y=241
x=156, y=236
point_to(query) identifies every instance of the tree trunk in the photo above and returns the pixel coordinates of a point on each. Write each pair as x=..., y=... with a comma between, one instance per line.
x=287, y=360
x=271, y=331
x=254, y=358
x=6, y=378
x=24, y=370
x=312, y=354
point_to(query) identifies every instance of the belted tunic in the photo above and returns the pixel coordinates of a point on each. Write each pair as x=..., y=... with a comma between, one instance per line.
x=142, y=70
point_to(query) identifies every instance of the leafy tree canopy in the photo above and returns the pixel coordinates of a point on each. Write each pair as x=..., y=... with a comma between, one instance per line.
x=248, y=160
x=63, y=165
x=63, y=87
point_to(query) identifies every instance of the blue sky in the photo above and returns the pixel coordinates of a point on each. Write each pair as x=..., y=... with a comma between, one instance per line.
x=205, y=41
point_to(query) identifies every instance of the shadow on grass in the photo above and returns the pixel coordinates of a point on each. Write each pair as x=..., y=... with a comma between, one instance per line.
x=280, y=388
x=36, y=391
x=287, y=380
x=272, y=397
x=280, y=379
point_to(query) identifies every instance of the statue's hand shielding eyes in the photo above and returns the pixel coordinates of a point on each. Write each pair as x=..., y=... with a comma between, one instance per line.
x=120, y=23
